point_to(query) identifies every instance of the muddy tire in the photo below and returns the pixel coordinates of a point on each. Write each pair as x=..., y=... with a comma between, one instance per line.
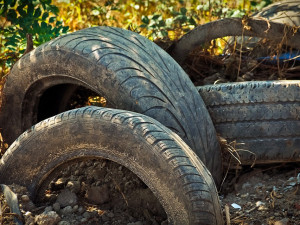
x=265, y=116
x=158, y=156
x=131, y=72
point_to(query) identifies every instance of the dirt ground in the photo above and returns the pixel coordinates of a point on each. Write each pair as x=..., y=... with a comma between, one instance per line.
x=103, y=192
x=262, y=195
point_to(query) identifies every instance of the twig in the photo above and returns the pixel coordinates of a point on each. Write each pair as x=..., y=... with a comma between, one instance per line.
x=227, y=214
x=29, y=46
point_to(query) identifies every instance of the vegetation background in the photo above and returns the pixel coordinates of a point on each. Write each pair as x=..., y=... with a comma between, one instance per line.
x=44, y=20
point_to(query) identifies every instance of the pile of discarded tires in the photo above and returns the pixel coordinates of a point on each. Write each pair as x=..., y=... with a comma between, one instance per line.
x=157, y=124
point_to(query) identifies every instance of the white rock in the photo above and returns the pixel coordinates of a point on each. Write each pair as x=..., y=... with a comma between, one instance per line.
x=259, y=203
x=236, y=206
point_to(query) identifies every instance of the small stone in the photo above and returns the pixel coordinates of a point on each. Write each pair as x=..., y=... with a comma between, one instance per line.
x=75, y=208
x=56, y=206
x=63, y=222
x=28, y=206
x=97, y=194
x=244, y=195
x=67, y=198
x=48, y=218
x=67, y=210
x=74, y=186
x=262, y=208
x=83, y=220
x=236, y=206
x=248, y=76
x=135, y=223
x=80, y=209
x=277, y=214
x=48, y=209
x=25, y=198
x=86, y=215
x=284, y=221
x=259, y=203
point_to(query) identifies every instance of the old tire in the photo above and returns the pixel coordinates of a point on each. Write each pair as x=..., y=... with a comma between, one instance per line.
x=234, y=27
x=158, y=156
x=131, y=72
x=265, y=116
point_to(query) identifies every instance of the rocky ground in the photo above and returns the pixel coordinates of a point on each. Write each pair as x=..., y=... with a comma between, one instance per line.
x=92, y=192
x=103, y=192
x=265, y=195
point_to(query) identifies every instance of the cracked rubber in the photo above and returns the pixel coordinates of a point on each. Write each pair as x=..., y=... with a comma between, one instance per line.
x=264, y=115
x=131, y=72
x=161, y=159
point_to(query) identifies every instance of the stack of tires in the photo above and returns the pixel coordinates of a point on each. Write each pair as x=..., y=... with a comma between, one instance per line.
x=156, y=123
x=162, y=144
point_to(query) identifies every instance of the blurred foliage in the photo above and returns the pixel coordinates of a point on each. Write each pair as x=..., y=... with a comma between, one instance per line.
x=166, y=19
x=96, y=101
x=19, y=18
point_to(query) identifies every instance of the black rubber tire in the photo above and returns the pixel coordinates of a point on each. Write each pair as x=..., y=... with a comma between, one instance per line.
x=158, y=156
x=264, y=115
x=285, y=12
x=234, y=27
x=130, y=71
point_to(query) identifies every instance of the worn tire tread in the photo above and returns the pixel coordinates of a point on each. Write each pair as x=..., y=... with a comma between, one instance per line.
x=180, y=159
x=256, y=112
